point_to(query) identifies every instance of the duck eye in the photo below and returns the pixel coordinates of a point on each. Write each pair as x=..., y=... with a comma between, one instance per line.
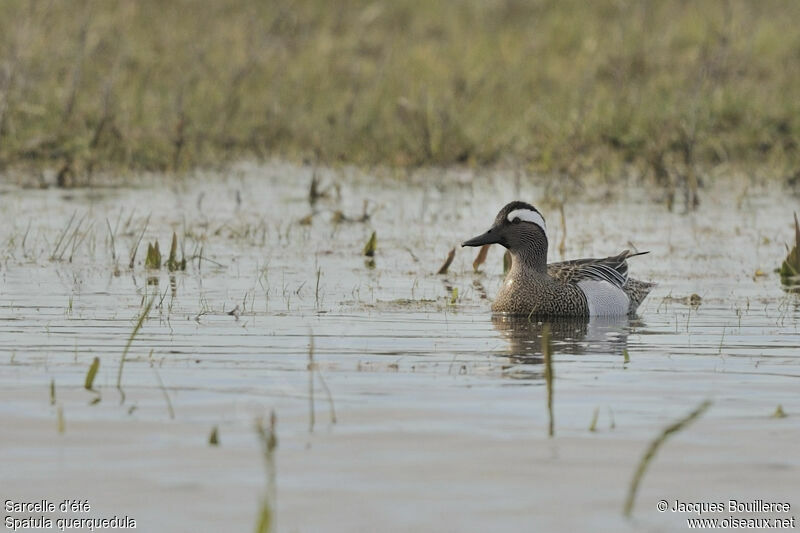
x=515, y=221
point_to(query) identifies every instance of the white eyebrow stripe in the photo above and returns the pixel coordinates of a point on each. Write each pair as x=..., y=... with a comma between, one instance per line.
x=528, y=216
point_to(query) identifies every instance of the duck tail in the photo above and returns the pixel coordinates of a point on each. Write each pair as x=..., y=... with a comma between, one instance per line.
x=627, y=254
x=637, y=291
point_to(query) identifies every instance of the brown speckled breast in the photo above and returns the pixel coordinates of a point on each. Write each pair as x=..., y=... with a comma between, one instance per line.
x=539, y=295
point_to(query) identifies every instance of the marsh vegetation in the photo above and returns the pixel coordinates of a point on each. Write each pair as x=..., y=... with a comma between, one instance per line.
x=669, y=91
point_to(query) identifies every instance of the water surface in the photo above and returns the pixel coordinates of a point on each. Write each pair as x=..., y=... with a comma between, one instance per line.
x=441, y=419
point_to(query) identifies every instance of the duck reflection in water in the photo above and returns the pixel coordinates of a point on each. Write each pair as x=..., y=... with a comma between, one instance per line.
x=570, y=335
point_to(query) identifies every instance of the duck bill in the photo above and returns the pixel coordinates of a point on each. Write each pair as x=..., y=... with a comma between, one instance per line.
x=490, y=237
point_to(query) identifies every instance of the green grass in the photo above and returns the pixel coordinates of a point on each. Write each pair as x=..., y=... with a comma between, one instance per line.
x=142, y=317
x=559, y=87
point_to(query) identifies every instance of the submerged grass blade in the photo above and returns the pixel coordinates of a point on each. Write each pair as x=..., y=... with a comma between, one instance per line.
x=164, y=391
x=60, y=424
x=329, y=395
x=450, y=255
x=90, y=375
x=269, y=442
x=654, y=447
x=264, y=524
x=312, y=366
x=548, y=377
x=311, y=416
x=52, y=392
x=595, y=416
x=136, y=329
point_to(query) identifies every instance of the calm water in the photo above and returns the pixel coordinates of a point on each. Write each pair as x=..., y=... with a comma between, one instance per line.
x=441, y=418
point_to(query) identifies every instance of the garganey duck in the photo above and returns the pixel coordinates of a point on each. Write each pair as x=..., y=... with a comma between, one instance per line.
x=582, y=287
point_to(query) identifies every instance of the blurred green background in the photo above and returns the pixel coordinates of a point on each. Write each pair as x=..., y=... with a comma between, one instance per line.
x=561, y=87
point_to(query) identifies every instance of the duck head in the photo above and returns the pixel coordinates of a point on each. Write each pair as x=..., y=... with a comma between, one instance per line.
x=521, y=229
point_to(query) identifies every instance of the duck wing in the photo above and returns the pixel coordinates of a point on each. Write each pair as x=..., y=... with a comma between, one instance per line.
x=613, y=269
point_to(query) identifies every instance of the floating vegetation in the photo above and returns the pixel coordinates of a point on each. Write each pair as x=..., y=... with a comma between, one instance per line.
x=372, y=243
x=446, y=265
x=547, y=352
x=213, y=438
x=153, y=259
x=626, y=358
x=481, y=257
x=88, y=384
x=654, y=446
x=790, y=268
x=693, y=300
x=339, y=216
x=454, y=296
x=779, y=412
x=269, y=442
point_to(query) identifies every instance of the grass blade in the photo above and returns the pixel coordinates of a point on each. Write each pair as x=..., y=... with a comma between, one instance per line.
x=372, y=244
x=447, y=262
x=654, y=447
x=164, y=391
x=548, y=377
x=481, y=257
x=60, y=424
x=138, y=242
x=136, y=329
x=791, y=265
x=595, y=416
x=269, y=442
x=90, y=375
